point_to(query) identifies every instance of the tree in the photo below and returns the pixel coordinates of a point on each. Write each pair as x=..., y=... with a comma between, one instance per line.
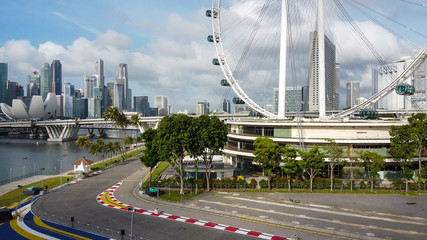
x=97, y=147
x=109, y=148
x=268, y=156
x=173, y=141
x=413, y=137
x=150, y=157
x=374, y=163
x=335, y=154
x=208, y=135
x=403, y=148
x=290, y=166
x=312, y=161
x=84, y=143
x=353, y=163
x=118, y=148
x=128, y=140
x=118, y=118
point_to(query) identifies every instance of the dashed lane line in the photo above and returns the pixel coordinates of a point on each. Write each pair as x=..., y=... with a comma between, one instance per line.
x=314, y=218
x=386, y=219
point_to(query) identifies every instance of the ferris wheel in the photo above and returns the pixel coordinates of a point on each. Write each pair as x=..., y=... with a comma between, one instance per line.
x=269, y=12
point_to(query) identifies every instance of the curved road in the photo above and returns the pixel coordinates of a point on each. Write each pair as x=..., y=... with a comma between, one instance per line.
x=317, y=216
x=79, y=201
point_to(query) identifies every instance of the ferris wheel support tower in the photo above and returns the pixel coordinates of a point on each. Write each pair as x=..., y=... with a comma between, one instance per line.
x=283, y=53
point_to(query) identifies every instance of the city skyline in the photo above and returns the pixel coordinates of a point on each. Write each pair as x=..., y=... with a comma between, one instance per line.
x=163, y=43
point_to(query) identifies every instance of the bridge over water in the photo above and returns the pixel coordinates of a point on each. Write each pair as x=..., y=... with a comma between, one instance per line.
x=67, y=130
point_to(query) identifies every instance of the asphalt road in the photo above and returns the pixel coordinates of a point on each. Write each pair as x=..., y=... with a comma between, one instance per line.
x=79, y=201
x=317, y=216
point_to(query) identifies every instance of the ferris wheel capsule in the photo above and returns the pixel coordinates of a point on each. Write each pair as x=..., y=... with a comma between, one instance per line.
x=209, y=13
x=405, y=89
x=237, y=100
x=224, y=83
x=211, y=38
x=368, y=114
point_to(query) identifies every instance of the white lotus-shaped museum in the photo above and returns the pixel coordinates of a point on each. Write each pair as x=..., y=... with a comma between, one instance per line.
x=37, y=109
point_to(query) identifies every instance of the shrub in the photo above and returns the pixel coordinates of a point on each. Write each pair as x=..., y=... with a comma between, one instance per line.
x=362, y=185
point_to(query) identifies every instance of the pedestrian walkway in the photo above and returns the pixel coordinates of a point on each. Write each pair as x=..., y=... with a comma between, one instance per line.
x=5, y=188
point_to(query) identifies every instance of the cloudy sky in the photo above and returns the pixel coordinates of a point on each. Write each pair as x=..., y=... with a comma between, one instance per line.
x=162, y=41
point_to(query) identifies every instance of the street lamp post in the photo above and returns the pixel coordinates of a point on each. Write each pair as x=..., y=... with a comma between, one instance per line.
x=131, y=222
x=158, y=190
x=42, y=169
x=19, y=203
x=294, y=236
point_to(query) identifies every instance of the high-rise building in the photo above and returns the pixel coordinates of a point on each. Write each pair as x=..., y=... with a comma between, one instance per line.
x=161, y=103
x=419, y=99
x=88, y=86
x=12, y=92
x=200, y=108
x=276, y=100
x=99, y=84
x=94, y=108
x=353, y=93
x=330, y=75
x=3, y=82
x=226, y=106
x=80, y=108
x=56, y=73
x=59, y=112
x=293, y=99
x=123, y=78
x=374, y=86
x=385, y=75
x=33, y=84
x=118, y=95
x=109, y=95
x=99, y=72
x=141, y=105
x=45, y=80
x=68, y=100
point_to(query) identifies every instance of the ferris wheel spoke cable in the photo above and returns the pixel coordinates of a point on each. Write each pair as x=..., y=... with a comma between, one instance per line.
x=415, y=3
x=391, y=19
x=381, y=24
x=364, y=39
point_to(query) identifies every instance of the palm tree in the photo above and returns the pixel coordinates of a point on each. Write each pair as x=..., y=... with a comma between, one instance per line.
x=97, y=147
x=118, y=148
x=84, y=143
x=118, y=118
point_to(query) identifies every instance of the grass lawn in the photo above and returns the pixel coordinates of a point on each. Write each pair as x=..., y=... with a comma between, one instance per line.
x=156, y=173
x=13, y=196
x=174, y=196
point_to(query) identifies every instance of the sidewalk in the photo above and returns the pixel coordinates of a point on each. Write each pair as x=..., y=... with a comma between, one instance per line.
x=27, y=181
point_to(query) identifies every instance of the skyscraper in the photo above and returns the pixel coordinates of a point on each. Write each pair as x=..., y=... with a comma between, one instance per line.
x=56, y=73
x=226, y=106
x=141, y=105
x=68, y=100
x=330, y=74
x=99, y=72
x=3, y=82
x=45, y=80
x=161, y=103
x=385, y=75
x=123, y=78
x=88, y=86
x=200, y=108
x=33, y=84
x=118, y=95
x=353, y=93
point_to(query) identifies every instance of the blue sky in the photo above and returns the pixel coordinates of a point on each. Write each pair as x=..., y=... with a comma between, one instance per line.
x=163, y=42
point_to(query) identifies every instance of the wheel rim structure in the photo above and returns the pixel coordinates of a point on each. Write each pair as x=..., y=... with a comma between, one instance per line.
x=216, y=33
